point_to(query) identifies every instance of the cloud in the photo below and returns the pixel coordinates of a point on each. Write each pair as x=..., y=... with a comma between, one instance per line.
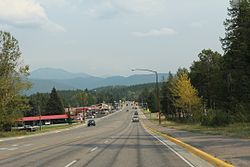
x=26, y=13
x=103, y=8
x=145, y=7
x=60, y=3
x=156, y=32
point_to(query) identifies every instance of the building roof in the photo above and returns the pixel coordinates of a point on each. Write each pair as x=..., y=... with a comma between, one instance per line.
x=45, y=117
x=83, y=108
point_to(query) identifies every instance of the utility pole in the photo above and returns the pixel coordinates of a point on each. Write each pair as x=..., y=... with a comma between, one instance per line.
x=40, y=115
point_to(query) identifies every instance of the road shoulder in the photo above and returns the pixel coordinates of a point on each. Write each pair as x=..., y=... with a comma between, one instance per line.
x=231, y=150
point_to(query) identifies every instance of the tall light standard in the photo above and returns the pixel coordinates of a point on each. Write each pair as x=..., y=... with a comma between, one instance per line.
x=157, y=89
x=40, y=115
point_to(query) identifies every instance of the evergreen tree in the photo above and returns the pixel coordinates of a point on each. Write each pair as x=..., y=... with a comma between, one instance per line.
x=151, y=101
x=236, y=45
x=167, y=106
x=54, y=104
x=143, y=96
x=39, y=102
x=206, y=76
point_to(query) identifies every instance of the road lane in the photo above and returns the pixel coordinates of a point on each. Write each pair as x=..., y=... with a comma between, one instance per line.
x=115, y=141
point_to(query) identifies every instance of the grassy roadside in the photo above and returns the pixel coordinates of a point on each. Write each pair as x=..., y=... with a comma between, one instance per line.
x=241, y=130
x=44, y=129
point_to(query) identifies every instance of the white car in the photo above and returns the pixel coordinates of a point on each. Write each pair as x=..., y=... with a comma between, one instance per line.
x=135, y=118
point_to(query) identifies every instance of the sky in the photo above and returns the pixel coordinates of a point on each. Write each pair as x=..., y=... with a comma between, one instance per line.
x=110, y=37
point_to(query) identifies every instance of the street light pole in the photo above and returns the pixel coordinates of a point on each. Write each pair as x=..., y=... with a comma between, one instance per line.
x=156, y=87
x=40, y=115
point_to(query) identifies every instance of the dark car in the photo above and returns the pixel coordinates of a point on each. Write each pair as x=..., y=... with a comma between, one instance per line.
x=91, y=122
x=29, y=128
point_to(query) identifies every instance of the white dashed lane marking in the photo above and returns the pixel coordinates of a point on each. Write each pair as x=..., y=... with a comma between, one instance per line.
x=93, y=149
x=27, y=145
x=2, y=149
x=71, y=163
x=14, y=147
x=8, y=149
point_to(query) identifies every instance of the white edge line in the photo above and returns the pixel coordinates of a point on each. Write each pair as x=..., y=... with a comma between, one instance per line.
x=185, y=160
x=93, y=149
x=71, y=163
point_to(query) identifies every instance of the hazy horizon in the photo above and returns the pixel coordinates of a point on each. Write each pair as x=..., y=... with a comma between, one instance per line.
x=110, y=37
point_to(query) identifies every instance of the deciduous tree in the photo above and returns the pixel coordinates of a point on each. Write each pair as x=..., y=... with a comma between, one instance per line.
x=12, y=81
x=185, y=95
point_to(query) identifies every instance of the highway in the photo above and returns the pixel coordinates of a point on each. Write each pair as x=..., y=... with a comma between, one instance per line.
x=115, y=141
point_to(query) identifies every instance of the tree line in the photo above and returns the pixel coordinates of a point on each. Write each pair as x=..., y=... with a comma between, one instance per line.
x=56, y=102
x=216, y=89
x=42, y=103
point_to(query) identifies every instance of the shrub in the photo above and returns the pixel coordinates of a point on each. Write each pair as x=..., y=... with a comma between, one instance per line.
x=216, y=118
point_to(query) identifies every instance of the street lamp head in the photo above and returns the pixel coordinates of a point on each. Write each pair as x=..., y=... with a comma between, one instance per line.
x=132, y=69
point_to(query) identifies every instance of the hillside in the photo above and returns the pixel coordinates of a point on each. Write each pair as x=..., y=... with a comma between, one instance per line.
x=44, y=80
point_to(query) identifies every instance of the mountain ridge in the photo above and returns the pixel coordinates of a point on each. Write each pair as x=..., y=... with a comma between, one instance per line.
x=55, y=73
x=43, y=83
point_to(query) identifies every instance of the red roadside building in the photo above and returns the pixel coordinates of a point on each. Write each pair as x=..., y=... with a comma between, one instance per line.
x=45, y=120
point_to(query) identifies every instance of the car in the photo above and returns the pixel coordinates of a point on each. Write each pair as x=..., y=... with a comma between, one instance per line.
x=47, y=122
x=29, y=128
x=91, y=122
x=135, y=118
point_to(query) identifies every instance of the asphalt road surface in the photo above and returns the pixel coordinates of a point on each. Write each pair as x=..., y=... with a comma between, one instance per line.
x=114, y=141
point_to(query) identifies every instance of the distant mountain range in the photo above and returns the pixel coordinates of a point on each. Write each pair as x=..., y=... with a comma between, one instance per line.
x=45, y=79
x=52, y=73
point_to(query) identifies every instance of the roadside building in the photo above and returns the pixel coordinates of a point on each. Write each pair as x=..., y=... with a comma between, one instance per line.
x=45, y=120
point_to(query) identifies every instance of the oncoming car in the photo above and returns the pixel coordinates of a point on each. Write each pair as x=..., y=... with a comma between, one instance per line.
x=91, y=122
x=135, y=118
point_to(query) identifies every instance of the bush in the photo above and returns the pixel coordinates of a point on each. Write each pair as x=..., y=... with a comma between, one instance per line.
x=215, y=118
x=240, y=113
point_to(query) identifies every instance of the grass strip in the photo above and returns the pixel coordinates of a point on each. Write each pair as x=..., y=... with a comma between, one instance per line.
x=44, y=129
x=240, y=130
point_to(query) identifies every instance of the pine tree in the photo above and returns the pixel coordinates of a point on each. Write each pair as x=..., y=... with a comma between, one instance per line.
x=206, y=76
x=54, y=104
x=167, y=105
x=151, y=101
x=236, y=45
